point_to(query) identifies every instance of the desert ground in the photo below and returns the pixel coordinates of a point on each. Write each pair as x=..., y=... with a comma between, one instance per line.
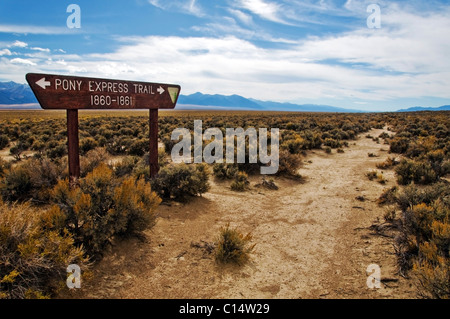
x=314, y=238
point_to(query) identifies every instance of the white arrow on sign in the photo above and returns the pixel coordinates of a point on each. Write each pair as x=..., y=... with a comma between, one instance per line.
x=160, y=90
x=43, y=84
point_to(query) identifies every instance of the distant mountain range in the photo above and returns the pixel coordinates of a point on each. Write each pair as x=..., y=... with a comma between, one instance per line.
x=14, y=93
x=19, y=96
x=237, y=102
x=420, y=108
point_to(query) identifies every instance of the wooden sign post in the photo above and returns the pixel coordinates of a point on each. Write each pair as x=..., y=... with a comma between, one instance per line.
x=72, y=93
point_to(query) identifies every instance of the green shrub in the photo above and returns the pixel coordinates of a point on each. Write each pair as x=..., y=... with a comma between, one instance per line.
x=424, y=240
x=399, y=145
x=87, y=144
x=181, y=182
x=58, y=151
x=92, y=159
x=125, y=166
x=139, y=147
x=413, y=195
x=388, y=163
x=33, y=261
x=436, y=159
x=240, y=182
x=4, y=166
x=17, y=150
x=389, y=215
x=168, y=144
x=225, y=170
x=4, y=141
x=32, y=180
x=233, y=246
x=289, y=164
x=103, y=207
x=134, y=206
x=295, y=145
x=389, y=196
x=432, y=270
x=44, y=174
x=16, y=184
x=332, y=143
x=413, y=171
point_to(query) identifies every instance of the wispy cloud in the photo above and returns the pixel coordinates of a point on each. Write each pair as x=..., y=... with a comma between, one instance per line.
x=22, y=61
x=263, y=8
x=5, y=52
x=40, y=49
x=18, y=44
x=33, y=29
x=187, y=6
x=241, y=16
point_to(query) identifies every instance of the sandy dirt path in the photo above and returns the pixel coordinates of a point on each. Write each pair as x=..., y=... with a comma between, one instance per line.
x=312, y=239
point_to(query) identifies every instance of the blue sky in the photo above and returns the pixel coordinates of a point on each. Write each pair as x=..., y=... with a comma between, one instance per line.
x=310, y=51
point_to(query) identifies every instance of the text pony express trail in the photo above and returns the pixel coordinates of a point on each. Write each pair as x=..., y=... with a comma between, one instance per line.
x=72, y=93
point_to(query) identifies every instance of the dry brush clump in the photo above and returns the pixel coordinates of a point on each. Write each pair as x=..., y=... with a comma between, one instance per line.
x=38, y=243
x=389, y=196
x=102, y=208
x=181, y=182
x=424, y=140
x=224, y=171
x=388, y=163
x=423, y=245
x=30, y=180
x=33, y=260
x=240, y=182
x=34, y=178
x=419, y=172
x=233, y=246
x=377, y=176
x=289, y=164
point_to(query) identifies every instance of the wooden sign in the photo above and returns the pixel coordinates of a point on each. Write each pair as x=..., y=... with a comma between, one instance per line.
x=73, y=93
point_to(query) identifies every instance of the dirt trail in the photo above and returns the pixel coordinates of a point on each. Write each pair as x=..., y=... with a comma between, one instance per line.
x=312, y=239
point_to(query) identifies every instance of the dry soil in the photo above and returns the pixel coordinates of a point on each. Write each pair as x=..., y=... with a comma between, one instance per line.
x=313, y=239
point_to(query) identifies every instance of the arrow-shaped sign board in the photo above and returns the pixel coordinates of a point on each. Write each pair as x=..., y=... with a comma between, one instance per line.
x=70, y=92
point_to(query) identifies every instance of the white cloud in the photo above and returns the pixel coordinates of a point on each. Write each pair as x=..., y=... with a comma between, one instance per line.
x=406, y=43
x=22, y=61
x=40, y=49
x=18, y=44
x=263, y=8
x=233, y=66
x=156, y=3
x=194, y=9
x=185, y=6
x=241, y=16
x=5, y=52
x=33, y=29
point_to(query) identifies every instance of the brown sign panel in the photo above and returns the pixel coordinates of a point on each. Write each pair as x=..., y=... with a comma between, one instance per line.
x=72, y=92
